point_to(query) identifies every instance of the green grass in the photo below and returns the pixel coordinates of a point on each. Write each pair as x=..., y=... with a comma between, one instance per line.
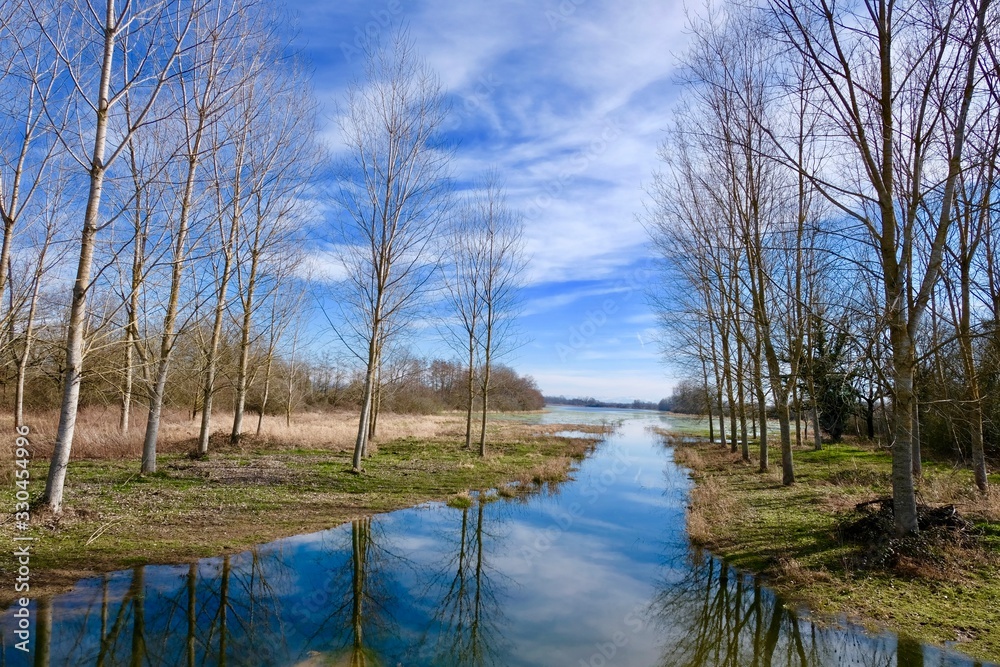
x=114, y=518
x=789, y=534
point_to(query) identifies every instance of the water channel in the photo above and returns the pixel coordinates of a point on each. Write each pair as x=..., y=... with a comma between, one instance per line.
x=595, y=572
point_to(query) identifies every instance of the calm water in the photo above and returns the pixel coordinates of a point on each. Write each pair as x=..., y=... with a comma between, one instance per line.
x=597, y=572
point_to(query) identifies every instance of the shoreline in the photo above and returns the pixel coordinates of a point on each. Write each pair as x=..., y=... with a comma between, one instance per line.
x=258, y=492
x=789, y=536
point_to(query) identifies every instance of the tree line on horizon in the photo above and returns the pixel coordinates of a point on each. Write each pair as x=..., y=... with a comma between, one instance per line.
x=161, y=173
x=827, y=225
x=590, y=402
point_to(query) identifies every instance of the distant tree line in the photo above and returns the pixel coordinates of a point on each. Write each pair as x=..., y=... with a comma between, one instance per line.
x=591, y=402
x=828, y=229
x=419, y=386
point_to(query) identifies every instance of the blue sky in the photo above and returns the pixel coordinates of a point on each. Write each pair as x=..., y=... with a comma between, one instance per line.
x=569, y=100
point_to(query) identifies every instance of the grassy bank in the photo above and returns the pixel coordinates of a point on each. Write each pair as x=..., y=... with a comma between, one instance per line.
x=264, y=489
x=942, y=591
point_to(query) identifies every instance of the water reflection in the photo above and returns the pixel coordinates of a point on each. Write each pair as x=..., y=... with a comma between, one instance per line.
x=599, y=574
x=466, y=619
x=717, y=617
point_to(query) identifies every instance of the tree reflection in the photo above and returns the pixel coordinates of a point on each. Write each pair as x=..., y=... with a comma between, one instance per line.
x=132, y=608
x=466, y=624
x=362, y=548
x=717, y=617
x=226, y=616
x=192, y=614
x=358, y=616
x=43, y=634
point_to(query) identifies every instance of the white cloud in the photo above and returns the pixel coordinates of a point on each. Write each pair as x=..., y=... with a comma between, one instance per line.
x=547, y=303
x=571, y=112
x=573, y=97
x=323, y=266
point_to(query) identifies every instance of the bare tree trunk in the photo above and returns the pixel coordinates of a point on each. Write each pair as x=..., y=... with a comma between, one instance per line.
x=762, y=410
x=125, y=410
x=291, y=378
x=817, y=436
x=917, y=462
x=472, y=390
x=727, y=366
x=779, y=388
x=485, y=387
x=787, y=468
x=376, y=403
x=78, y=306
x=288, y=401
x=138, y=267
x=267, y=391
x=797, y=403
x=708, y=397
x=242, y=372
x=716, y=366
x=166, y=348
x=29, y=333
x=212, y=354
x=366, y=402
x=8, y=237
x=243, y=365
x=741, y=387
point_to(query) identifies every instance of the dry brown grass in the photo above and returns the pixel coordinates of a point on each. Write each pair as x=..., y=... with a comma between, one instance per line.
x=97, y=436
x=688, y=457
x=953, y=488
x=553, y=470
x=711, y=505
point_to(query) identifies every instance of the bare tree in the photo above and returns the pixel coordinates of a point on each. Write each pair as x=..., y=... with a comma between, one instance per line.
x=463, y=286
x=205, y=88
x=85, y=37
x=230, y=200
x=284, y=310
x=973, y=208
x=28, y=145
x=888, y=73
x=142, y=200
x=279, y=164
x=393, y=195
x=42, y=257
x=500, y=237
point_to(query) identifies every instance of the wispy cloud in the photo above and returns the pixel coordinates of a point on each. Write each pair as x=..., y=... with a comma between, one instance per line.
x=569, y=100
